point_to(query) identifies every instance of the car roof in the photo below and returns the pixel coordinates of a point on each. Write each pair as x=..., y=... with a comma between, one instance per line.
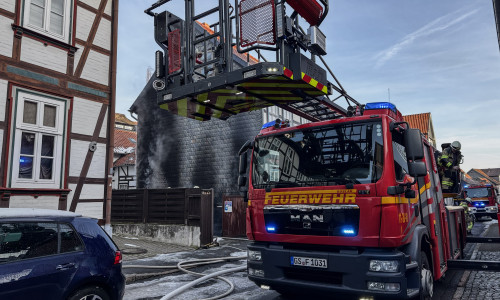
x=35, y=212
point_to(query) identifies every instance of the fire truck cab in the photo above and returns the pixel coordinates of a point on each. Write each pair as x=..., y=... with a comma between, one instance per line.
x=351, y=205
x=484, y=200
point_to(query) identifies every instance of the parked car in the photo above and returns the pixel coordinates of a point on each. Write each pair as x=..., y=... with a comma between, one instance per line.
x=51, y=254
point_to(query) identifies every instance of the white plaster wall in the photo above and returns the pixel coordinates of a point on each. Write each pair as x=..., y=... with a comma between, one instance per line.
x=78, y=152
x=91, y=209
x=49, y=57
x=97, y=167
x=103, y=35
x=3, y=99
x=78, y=54
x=85, y=115
x=84, y=21
x=96, y=68
x=92, y=191
x=48, y=202
x=93, y=3
x=104, y=127
x=9, y=5
x=6, y=36
x=108, y=9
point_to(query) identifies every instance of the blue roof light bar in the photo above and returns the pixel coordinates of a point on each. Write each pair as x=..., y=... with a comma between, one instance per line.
x=380, y=105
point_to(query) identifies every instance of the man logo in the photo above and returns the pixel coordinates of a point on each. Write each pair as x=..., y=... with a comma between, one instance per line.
x=307, y=218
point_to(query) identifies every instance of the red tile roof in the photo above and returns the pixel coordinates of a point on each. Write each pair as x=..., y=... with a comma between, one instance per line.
x=419, y=121
x=125, y=139
x=483, y=177
x=126, y=160
x=494, y=172
x=121, y=118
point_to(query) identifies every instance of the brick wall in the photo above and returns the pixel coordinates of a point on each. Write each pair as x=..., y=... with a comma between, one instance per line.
x=173, y=151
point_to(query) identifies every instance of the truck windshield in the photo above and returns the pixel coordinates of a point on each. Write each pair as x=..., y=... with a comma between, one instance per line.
x=477, y=193
x=331, y=155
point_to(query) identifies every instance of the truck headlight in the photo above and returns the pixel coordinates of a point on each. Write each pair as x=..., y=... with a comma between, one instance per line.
x=492, y=209
x=384, y=265
x=254, y=255
x=384, y=286
x=472, y=210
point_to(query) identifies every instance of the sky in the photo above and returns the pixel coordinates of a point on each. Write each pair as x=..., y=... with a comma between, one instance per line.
x=431, y=56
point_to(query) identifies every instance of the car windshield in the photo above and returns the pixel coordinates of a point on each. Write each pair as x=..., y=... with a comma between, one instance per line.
x=477, y=193
x=330, y=155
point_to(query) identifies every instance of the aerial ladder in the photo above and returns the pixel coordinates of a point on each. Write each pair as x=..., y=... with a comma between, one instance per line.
x=246, y=56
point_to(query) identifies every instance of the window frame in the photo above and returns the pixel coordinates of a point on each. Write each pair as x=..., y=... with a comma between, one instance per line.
x=45, y=30
x=59, y=132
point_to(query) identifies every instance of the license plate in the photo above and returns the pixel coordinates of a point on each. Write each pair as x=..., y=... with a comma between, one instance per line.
x=308, y=262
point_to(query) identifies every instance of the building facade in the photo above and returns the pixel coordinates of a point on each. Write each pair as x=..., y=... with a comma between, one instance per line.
x=57, y=91
x=125, y=142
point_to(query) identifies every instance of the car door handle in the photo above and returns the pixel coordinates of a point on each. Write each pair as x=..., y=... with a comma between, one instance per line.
x=65, y=266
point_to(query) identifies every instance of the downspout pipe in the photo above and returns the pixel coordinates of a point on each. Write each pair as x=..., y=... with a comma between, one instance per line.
x=111, y=121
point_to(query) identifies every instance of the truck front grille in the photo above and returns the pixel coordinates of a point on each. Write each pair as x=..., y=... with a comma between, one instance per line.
x=319, y=220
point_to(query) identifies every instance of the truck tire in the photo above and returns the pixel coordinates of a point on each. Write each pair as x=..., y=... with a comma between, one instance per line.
x=426, y=277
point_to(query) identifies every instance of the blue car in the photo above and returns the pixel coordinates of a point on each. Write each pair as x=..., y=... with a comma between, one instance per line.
x=50, y=254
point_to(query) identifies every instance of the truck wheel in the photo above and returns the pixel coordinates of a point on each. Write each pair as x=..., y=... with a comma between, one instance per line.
x=426, y=278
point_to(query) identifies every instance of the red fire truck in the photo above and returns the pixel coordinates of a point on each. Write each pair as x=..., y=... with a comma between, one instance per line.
x=351, y=205
x=484, y=200
x=348, y=203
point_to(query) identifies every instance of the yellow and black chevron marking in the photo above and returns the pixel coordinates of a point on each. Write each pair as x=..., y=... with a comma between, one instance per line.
x=251, y=95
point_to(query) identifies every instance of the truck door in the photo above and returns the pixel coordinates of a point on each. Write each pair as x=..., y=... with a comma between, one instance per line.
x=433, y=215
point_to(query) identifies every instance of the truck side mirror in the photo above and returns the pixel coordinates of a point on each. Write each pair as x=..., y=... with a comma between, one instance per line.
x=242, y=181
x=413, y=144
x=417, y=169
x=243, y=163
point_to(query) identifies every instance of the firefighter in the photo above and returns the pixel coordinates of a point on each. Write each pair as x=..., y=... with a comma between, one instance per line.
x=448, y=163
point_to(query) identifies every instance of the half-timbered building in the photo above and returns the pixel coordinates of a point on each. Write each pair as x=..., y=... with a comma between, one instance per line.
x=57, y=93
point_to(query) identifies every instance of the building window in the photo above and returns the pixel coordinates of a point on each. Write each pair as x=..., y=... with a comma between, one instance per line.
x=37, y=157
x=49, y=17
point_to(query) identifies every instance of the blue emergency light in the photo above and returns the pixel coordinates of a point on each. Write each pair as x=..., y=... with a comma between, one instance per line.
x=380, y=105
x=348, y=230
x=271, y=229
x=268, y=124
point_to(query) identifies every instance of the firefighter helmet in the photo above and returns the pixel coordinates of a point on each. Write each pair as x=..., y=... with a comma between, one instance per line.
x=456, y=145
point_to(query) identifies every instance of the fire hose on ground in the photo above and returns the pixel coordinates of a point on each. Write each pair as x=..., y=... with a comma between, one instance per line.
x=183, y=265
